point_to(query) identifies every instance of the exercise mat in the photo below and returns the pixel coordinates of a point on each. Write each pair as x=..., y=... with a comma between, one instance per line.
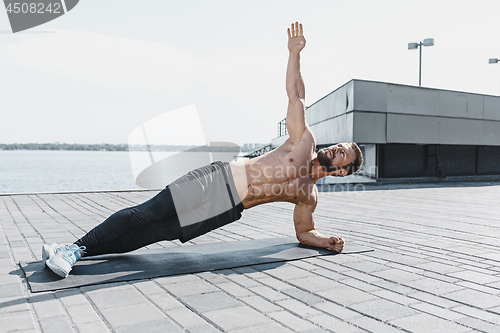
x=152, y=263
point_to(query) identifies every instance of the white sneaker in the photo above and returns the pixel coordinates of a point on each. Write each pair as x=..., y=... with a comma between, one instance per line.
x=63, y=261
x=48, y=251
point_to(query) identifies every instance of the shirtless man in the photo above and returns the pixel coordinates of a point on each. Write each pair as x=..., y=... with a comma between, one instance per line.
x=212, y=196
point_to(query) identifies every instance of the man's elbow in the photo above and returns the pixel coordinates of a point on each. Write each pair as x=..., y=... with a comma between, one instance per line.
x=301, y=237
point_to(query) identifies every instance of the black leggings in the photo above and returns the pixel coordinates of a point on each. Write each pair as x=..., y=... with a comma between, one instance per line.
x=132, y=228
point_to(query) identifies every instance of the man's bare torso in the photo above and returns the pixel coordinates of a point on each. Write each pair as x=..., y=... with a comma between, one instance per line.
x=280, y=175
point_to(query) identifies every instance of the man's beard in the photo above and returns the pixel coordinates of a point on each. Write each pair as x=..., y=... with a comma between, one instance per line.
x=324, y=161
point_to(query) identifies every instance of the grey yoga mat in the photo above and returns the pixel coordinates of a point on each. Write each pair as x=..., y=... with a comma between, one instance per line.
x=144, y=264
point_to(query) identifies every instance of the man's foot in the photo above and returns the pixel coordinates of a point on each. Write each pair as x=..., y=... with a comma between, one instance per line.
x=49, y=251
x=64, y=259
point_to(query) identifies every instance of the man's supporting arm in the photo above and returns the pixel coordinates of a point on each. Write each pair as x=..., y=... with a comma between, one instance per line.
x=296, y=117
x=303, y=219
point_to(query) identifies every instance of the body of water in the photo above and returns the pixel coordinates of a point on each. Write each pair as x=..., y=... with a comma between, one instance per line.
x=33, y=171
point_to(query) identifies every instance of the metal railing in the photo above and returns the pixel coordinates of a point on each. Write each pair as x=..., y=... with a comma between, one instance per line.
x=259, y=151
x=282, y=128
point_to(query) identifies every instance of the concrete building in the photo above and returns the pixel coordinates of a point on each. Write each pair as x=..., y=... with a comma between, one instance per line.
x=408, y=131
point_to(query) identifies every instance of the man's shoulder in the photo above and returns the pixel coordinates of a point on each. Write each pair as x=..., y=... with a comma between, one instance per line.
x=307, y=142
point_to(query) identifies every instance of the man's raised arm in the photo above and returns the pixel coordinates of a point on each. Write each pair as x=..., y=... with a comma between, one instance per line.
x=296, y=117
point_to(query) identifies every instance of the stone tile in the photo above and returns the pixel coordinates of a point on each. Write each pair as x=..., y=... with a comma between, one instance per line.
x=260, y=304
x=211, y=302
x=268, y=293
x=346, y=295
x=131, y=314
x=368, y=278
x=288, y=272
x=9, y=279
x=495, y=285
x=99, y=288
x=265, y=328
x=165, y=301
x=274, y=283
x=212, y=277
x=476, y=277
x=94, y=327
x=147, y=287
x=13, y=304
x=478, y=314
x=329, y=274
x=365, y=266
x=17, y=321
x=479, y=287
x=82, y=313
x=50, y=307
x=11, y=290
x=186, y=318
x=235, y=318
x=409, y=260
x=116, y=298
x=56, y=324
x=71, y=297
x=189, y=288
x=383, y=309
x=425, y=323
x=439, y=268
x=475, y=298
x=336, y=310
x=440, y=277
x=203, y=329
x=291, y=321
x=437, y=300
x=372, y=325
x=394, y=297
x=334, y=324
x=178, y=279
x=298, y=308
x=160, y=326
x=234, y=289
x=355, y=283
x=474, y=325
x=314, y=283
x=303, y=296
x=437, y=311
x=395, y=287
x=396, y=275
x=243, y=281
x=433, y=286
x=495, y=309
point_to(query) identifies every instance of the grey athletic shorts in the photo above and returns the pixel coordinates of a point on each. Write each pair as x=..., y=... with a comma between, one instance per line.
x=205, y=199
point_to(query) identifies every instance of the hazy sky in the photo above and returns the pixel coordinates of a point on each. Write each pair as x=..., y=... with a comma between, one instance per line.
x=100, y=71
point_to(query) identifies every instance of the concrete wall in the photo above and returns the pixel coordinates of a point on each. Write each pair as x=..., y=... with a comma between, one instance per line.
x=377, y=112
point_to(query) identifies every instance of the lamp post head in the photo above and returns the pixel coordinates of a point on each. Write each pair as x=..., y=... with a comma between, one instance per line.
x=412, y=46
x=493, y=60
x=429, y=42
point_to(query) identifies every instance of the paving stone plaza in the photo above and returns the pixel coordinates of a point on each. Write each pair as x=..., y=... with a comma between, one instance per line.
x=435, y=267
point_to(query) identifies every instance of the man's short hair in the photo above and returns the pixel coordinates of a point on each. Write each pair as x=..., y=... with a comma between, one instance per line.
x=355, y=165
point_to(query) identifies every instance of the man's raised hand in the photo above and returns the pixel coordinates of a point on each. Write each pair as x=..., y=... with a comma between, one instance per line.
x=296, y=40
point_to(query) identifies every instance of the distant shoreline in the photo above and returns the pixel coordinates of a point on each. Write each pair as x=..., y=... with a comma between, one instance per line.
x=119, y=147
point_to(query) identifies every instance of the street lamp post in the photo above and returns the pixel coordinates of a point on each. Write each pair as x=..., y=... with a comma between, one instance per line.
x=414, y=46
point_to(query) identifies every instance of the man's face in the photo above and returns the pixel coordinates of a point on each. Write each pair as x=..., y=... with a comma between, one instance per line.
x=336, y=156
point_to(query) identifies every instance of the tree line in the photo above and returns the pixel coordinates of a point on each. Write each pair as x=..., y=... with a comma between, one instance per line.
x=116, y=147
